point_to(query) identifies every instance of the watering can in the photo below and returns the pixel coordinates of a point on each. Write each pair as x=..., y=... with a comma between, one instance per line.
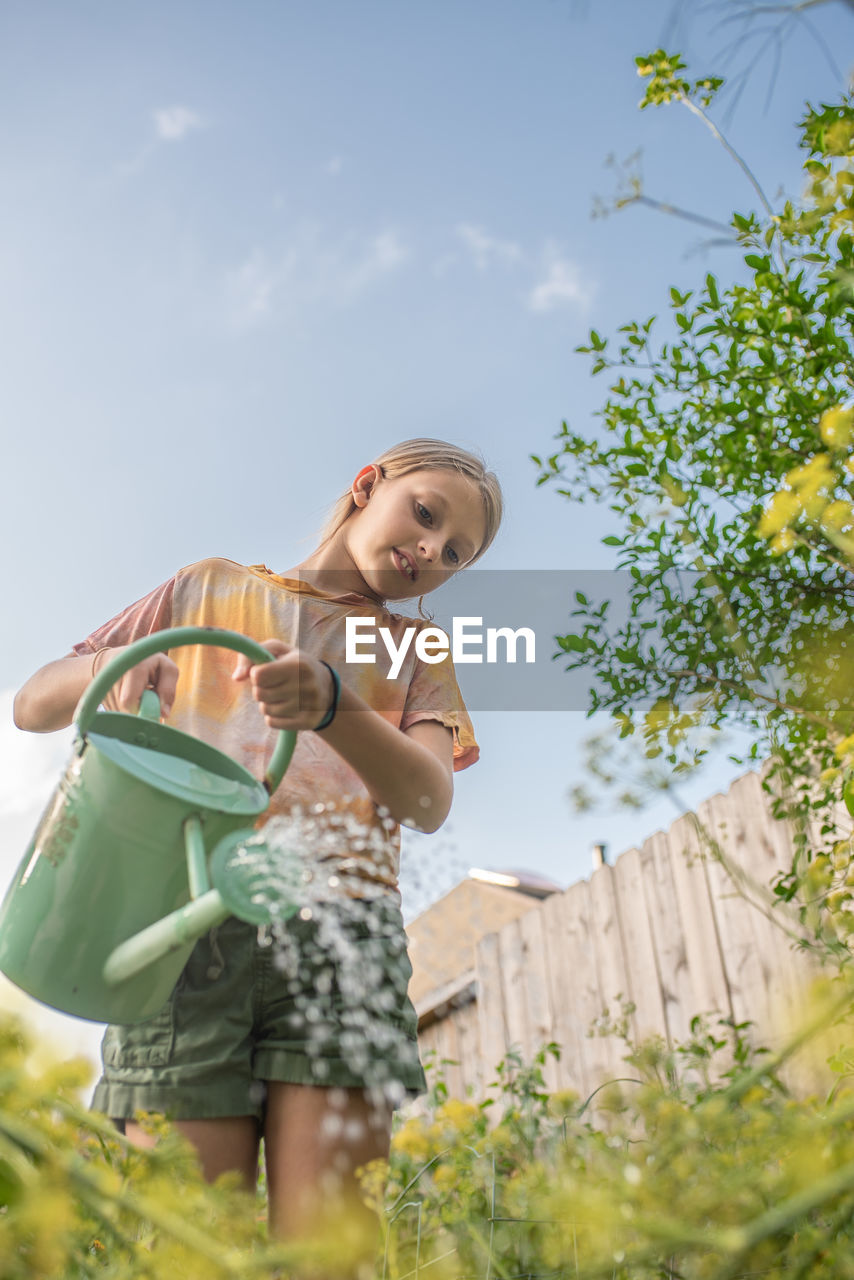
x=147, y=842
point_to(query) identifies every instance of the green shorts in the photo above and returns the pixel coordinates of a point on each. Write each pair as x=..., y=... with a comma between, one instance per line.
x=322, y=1001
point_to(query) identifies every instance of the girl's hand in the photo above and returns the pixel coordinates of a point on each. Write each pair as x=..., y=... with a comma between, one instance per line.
x=294, y=691
x=157, y=672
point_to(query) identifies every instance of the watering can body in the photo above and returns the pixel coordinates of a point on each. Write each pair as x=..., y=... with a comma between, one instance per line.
x=113, y=890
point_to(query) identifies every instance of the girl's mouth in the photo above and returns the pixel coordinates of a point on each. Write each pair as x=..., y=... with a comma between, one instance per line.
x=404, y=565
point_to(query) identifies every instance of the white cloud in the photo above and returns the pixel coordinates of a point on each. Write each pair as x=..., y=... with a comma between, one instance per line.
x=250, y=288
x=310, y=272
x=384, y=254
x=174, y=123
x=29, y=763
x=485, y=249
x=333, y=166
x=562, y=285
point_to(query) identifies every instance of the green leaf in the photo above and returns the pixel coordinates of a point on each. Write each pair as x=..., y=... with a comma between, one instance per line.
x=757, y=263
x=572, y=644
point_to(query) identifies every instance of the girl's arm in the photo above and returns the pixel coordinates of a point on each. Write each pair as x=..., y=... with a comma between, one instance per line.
x=49, y=698
x=409, y=773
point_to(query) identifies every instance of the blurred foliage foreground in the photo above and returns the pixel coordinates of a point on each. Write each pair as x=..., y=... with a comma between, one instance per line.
x=698, y=1163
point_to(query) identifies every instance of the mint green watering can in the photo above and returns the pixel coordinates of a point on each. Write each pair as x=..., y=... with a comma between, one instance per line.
x=147, y=843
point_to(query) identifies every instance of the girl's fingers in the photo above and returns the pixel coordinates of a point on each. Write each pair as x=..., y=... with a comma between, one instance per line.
x=244, y=665
x=166, y=685
x=241, y=668
x=159, y=673
x=278, y=648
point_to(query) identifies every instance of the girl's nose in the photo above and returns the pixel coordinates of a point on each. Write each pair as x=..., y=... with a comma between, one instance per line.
x=427, y=550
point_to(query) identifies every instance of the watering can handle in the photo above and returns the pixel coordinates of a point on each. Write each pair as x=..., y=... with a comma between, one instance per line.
x=175, y=638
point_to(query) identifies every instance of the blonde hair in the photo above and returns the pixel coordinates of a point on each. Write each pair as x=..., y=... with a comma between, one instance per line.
x=418, y=455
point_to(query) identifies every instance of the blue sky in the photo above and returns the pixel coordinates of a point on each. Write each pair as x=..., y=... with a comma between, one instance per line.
x=244, y=248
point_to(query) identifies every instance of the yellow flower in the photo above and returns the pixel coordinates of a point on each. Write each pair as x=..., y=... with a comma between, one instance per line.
x=444, y=1177
x=783, y=509
x=845, y=747
x=837, y=515
x=412, y=1141
x=456, y=1113
x=816, y=471
x=783, y=542
x=836, y=427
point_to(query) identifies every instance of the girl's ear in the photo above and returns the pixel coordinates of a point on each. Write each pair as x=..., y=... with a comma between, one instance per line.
x=362, y=486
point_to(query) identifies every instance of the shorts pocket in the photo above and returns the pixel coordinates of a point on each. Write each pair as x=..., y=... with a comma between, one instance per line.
x=141, y=1044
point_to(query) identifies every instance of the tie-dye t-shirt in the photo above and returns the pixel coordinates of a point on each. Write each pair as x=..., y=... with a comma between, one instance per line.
x=320, y=791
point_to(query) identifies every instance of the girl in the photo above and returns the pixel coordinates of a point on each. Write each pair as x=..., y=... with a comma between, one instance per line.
x=309, y=1045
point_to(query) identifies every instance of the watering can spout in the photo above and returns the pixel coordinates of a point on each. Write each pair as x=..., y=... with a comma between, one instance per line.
x=172, y=933
x=242, y=868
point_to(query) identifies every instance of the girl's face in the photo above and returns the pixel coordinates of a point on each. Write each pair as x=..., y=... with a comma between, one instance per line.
x=411, y=533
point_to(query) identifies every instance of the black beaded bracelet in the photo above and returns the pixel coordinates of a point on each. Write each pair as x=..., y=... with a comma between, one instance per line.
x=336, y=698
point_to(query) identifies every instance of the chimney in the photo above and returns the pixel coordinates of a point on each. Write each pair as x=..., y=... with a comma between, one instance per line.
x=599, y=854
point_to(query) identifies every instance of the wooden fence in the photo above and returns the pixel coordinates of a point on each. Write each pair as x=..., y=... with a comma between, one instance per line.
x=669, y=931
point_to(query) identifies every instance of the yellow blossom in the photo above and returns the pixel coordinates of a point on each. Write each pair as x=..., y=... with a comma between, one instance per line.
x=445, y=1177
x=815, y=471
x=845, y=747
x=412, y=1141
x=783, y=542
x=837, y=515
x=783, y=509
x=456, y=1113
x=836, y=427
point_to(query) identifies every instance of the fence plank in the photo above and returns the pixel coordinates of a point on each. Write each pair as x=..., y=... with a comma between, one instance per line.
x=561, y=915
x=513, y=959
x=738, y=921
x=540, y=1016
x=661, y=904
x=611, y=968
x=744, y=829
x=709, y=982
x=642, y=962
x=471, y=1059
x=581, y=973
x=492, y=1027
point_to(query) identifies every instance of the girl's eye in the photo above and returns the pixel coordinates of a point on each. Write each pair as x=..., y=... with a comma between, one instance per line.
x=424, y=514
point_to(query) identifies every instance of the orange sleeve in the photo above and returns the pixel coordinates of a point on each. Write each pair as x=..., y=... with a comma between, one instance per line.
x=435, y=695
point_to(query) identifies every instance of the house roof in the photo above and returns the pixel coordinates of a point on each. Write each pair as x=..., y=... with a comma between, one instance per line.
x=443, y=939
